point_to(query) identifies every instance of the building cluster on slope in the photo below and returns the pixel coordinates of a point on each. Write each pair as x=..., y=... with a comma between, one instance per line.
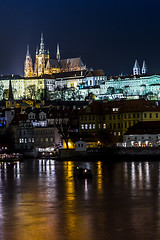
x=35, y=131
x=70, y=79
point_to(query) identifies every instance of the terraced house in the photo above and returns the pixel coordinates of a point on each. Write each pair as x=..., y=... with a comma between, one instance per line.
x=116, y=117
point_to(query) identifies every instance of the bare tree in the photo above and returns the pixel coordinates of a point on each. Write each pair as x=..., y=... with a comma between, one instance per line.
x=32, y=91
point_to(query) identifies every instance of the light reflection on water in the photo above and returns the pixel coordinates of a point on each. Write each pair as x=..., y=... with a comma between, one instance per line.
x=41, y=199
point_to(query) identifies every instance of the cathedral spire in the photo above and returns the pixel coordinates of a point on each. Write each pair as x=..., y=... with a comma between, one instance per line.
x=144, y=68
x=58, y=52
x=42, y=50
x=136, y=68
x=10, y=97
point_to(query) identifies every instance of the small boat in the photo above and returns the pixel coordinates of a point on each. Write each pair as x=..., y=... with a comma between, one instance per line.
x=10, y=157
x=82, y=172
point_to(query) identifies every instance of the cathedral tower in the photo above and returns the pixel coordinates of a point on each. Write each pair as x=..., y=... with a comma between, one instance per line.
x=28, y=67
x=144, y=68
x=42, y=57
x=136, y=68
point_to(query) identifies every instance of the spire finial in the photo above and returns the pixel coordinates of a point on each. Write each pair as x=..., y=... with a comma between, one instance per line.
x=58, y=52
x=28, y=49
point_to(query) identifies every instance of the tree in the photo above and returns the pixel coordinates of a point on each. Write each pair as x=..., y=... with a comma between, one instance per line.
x=64, y=121
x=32, y=91
x=1, y=90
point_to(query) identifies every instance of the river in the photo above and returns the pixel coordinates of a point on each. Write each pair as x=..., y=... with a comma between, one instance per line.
x=41, y=199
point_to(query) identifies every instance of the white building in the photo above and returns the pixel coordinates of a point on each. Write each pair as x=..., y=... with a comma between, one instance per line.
x=143, y=134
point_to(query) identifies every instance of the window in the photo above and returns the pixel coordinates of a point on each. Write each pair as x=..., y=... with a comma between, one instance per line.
x=156, y=115
x=82, y=126
x=86, y=126
x=46, y=139
x=145, y=115
x=90, y=126
x=93, y=125
x=150, y=115
x=104, y=126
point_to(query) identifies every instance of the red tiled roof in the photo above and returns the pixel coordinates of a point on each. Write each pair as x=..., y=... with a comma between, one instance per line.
x=148, y=127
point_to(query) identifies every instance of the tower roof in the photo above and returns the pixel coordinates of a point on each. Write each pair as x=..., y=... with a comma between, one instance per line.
x=136, y=65
x=144, y=65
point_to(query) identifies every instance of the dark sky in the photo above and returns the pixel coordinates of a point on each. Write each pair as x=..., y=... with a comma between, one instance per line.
x=108, y=35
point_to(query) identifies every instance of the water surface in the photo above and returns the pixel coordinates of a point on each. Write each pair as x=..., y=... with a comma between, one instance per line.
x=41, y=199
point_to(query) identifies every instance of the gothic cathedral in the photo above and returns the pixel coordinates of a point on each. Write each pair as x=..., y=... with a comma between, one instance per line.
x=45, y=65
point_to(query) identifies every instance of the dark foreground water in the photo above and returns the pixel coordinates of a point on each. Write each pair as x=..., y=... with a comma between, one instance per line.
x=40, y=199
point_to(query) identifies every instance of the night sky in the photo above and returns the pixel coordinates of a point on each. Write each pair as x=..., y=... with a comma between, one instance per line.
x=108, y=35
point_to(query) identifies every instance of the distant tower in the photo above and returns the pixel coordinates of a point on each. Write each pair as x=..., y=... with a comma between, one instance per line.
x=144, y=68
x=58, y=53
x=28, y=67
x=136, y=68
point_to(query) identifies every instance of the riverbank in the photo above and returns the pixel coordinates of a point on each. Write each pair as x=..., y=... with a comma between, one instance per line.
x=108, y=154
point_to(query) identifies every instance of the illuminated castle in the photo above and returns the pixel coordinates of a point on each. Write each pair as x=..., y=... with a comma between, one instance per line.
x=45, y=65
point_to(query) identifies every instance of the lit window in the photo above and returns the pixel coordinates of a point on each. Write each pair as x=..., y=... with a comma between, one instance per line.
x=46, y=139
x=104, y=126
x=86, y=126
x=32, y=139
x=90, y=126
x=82, y=126
x=93, y=125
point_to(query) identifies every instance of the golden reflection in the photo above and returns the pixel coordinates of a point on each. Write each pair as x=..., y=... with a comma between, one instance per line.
x=99, y=177
x=33, y=221
x=69, y=180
